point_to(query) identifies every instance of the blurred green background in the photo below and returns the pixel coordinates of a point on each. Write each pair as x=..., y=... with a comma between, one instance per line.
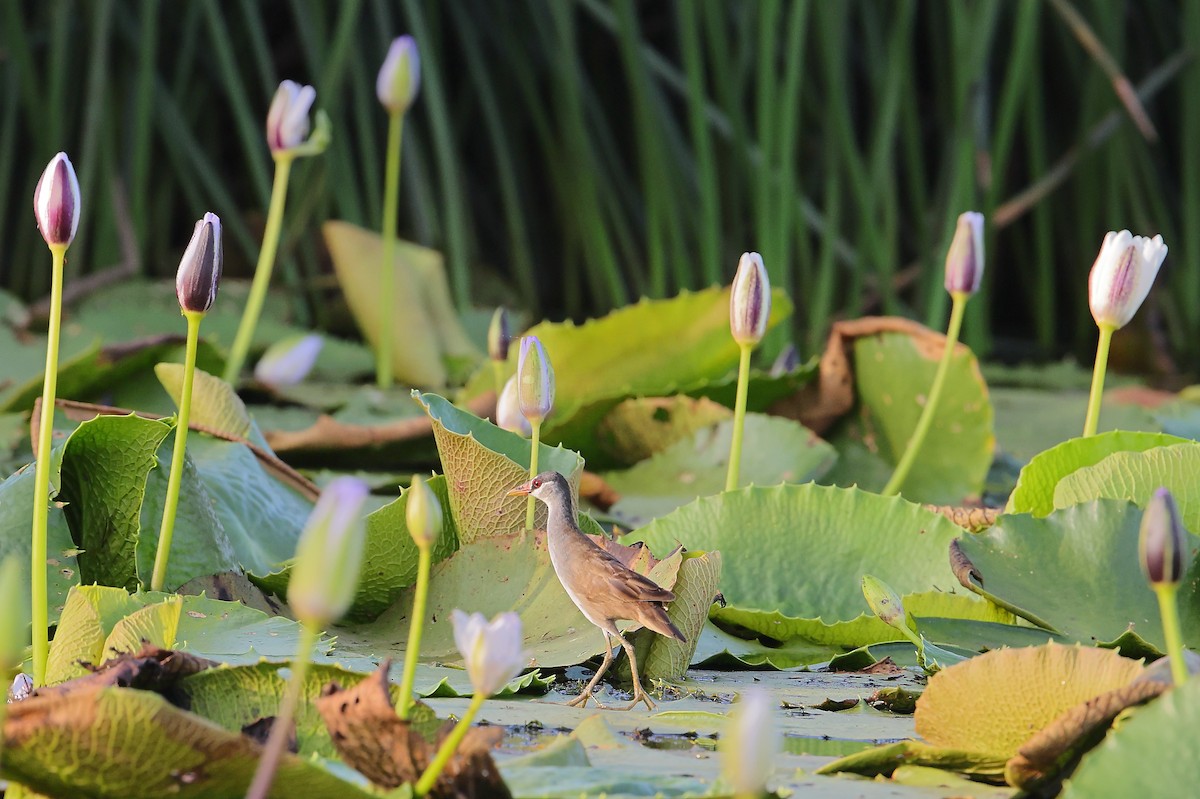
x=570, y=156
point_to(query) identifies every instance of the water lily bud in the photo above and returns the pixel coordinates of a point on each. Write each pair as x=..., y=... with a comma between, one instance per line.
x=786, y=362
x=750, y=302
x=288, y=362
x=1122, y=275
x=423, y=513
x=287, y=119
x=535, y=380
x=492, y=652
x=964, y=260
x=749, y=744
x=21, y=688
x=499, y=335
x=200, y=268
x=14, y=619
x=883, y=601
x=56, y=202
x=400, y=76
x=508, y=411
x=1162, y=540
x=329, y=554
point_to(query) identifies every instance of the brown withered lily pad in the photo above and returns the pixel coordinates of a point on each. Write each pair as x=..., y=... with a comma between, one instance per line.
x=370, y=737
x=151, y=668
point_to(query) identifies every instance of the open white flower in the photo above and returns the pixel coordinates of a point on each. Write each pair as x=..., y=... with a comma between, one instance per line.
x=287, y=119
x=491, y=650
x=749, y=744
x=1122, y=275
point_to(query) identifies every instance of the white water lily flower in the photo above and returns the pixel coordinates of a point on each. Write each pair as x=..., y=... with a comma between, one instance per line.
x=750, y=744
x=964, y=259
x=750, y=300
x=399, y=78
x=329, y=554
x=535, y=380
x=287, y=362
x=492, y=651
x=1122, y=275
x=508, y=411
x=287, y=119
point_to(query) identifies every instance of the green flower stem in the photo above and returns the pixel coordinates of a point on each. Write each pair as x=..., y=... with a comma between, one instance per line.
x=446, y=751
x=535, y=441
x=1169, y=612
x=159, y=577
x=281, y=728
x=733, y=476
x=919, y=433
x=1094, y=399
x=498, y=371
x=424, y=563
x=41, y=478
x=262, y=271
x=387, y=283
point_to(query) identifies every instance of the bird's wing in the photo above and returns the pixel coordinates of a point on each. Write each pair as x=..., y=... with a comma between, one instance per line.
x=632, y=585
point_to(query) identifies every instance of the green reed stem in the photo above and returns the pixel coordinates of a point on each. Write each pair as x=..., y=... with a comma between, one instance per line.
x=424, y=563
x=159, y=577
x=41, y=478
x=733, y=477
x=1097, y=394
x=446, y=750
x=262, y=271
x=387, y=283
x=281, y=728
x=1169, y=612
x=535, y=440
x=959, y=299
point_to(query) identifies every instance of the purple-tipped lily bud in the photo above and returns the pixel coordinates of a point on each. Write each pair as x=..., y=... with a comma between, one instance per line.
x=14, y=618
x=508, y=411
x=56, y=202
x=287, y=119
x=1122, y=276
x=400, y=76
x=199, y=272
x=535, y=380
x=884, y=601
x=964, y=260
x=1162, y=540
x=329, y=554
x=499, y=335
x=422, y=513
x=750, y=302
x=492, y=652
x=749, y=744
x=288, y=362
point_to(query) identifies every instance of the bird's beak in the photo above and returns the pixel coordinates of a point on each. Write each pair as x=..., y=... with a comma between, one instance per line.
x=522, y=490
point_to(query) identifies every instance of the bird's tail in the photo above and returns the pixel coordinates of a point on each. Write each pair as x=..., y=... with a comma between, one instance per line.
x=655, y=617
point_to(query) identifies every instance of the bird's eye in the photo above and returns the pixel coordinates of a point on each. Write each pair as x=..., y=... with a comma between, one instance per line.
x=537, y=483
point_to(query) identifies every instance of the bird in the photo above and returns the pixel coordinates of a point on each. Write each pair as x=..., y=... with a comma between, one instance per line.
x=602, y=587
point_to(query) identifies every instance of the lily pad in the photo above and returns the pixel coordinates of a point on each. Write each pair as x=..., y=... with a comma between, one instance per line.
x=639, y=427
x=776, y=450
x=16, y=524
x=1076, y=572
x=1034, y=492
x=694, y=588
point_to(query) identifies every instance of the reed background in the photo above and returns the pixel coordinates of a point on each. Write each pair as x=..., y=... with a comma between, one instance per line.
x=570, y=156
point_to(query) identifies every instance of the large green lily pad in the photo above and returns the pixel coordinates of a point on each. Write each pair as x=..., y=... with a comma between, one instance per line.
x=1134, y=476
x=1076, y=572
x=16, y=526
x=775, y=450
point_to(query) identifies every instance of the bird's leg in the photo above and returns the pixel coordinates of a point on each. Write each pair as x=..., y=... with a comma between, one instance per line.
x=582, y=699
x=639, y=694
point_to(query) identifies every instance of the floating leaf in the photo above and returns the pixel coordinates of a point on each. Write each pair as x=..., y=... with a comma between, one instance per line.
x=663, y=658
x=16, y=522
x=1134, y=476
x=639, y=427
x=215, y=404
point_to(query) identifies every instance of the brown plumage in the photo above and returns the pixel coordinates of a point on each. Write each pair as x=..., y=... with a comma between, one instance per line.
x=603, y=589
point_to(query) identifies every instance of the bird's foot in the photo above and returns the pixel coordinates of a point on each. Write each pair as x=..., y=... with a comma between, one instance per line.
x=582, y=700
x=640, y=696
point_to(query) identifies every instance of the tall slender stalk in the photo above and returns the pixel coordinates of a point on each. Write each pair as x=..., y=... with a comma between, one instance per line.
x=159, y=577
x=733, y=476
x=417, y=624
x=446, y=750
x=1169, y=611
x=534, y=439
x=1096, y=396
x=262, y=271
x=387, y=285
x=959, y=299
x=281, y=728
x=41, y=477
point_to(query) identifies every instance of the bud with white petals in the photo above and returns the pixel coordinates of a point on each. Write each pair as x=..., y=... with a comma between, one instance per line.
x=329, y=554
x=492, y=652
x=287, y=118
x=508, y=411
x=535, y=380
x=750, y=301
x=199, y=273
x=400, y=76
x=964, y=260
x=288, y=362
x=749, y=744
x=56, y=202
x=1122, y=276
